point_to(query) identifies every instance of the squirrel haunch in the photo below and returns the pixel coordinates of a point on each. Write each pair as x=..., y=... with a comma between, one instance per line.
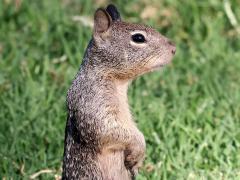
x=101, y=139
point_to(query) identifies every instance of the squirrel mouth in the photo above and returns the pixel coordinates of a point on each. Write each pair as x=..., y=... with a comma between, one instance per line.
x=158, y=65
x=157, y=62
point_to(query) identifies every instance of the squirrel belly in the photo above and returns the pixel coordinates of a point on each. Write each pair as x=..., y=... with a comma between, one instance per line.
x=112, y=164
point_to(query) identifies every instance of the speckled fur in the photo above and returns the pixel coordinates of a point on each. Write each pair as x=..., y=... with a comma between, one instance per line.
x=101, y=139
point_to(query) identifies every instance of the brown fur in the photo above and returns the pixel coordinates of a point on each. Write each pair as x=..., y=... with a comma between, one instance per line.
x=101, y=139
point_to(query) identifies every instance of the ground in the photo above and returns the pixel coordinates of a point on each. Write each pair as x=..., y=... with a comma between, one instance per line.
x=189, y=112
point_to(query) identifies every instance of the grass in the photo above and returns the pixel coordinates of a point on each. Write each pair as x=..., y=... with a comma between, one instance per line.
x=189, y=112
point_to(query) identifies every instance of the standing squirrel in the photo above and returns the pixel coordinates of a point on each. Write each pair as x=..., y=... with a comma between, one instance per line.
x=102, y=142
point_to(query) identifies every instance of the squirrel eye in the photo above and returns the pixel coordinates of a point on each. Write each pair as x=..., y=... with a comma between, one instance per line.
x=138, y=38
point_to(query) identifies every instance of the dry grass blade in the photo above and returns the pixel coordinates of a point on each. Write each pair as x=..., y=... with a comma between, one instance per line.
x=232, y=18
x=43, y=171
x=84, y=20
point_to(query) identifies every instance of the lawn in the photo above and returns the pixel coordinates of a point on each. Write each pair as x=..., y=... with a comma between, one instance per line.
x=189, y=112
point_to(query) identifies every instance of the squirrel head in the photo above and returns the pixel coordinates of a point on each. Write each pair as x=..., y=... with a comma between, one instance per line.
x=126, y=50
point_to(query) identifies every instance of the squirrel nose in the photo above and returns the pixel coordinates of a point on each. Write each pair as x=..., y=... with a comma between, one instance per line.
x=173, y=47
x=173, y=50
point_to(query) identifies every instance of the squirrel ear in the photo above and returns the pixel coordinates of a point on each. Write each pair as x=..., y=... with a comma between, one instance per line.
x=102, y=21
x=113, y=12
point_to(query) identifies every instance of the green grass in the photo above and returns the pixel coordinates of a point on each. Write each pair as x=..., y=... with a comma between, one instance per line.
x=189, y=112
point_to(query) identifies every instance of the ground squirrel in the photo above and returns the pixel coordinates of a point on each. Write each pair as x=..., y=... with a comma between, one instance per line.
x=101, y=140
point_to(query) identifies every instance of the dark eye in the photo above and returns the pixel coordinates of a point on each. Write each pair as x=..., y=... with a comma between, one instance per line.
x=138, y=38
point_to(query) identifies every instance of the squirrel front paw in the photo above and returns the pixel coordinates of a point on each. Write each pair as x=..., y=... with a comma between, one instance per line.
x=134, y=159
x=134, y=155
